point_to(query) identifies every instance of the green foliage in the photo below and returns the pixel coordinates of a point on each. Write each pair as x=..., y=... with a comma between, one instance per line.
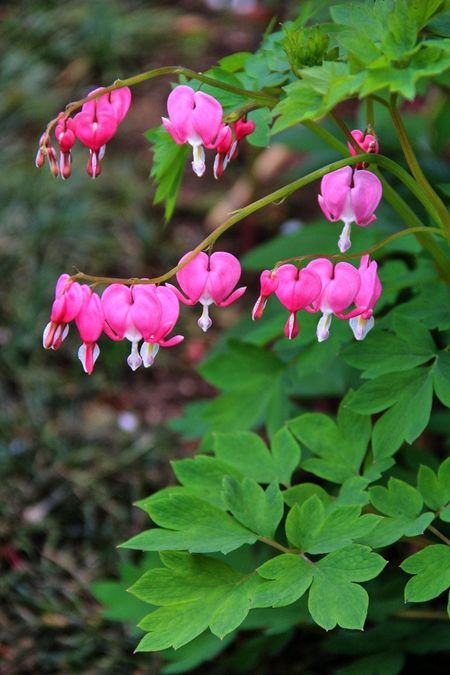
x=168, y=164
x=431, y=568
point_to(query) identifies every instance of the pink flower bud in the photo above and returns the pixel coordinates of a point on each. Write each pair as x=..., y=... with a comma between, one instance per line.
x=46, y=150
x=209, y=280
x=367, y=143
x=269, y=284
x=65, y=136
x=223, y=144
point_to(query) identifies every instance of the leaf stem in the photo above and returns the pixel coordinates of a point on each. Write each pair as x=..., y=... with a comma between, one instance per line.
x=368, y=251
x=421, y=614
x=415, y=168
x=278, y=546
x=263, y=98
x=439, y=534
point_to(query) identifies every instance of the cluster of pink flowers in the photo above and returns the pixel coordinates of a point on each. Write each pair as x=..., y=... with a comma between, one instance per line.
x=322, y=287
x=196, y=118
x=351, y=195
x=142, y=312
x=94, y=126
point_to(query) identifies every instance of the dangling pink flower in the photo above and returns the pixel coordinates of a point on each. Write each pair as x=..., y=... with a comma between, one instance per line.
x=366, y=298
x=132, y=313
x=223, y=145
x=97, y=123
x=351, y=197
x=339, y=288
x=367, y=143
x=65, y=136
x=194, y=118
x=296, y=290
x=90, y=322
x=46, y=150
x=170, y=310
x=242, y=128
x=269, y=284
x=209, y=280
x=67, y=304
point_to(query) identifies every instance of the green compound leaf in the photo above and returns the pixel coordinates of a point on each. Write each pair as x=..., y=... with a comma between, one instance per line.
x=334, y=597
x=204, y=475
x=290, y=577
x=402, y=504
x=192, y=593
x=311, y=529
x=441, y=378
x=431, y=568
x=169, y=160
x=408, y=395
x=286, y=455
x=190, y=524
x=435, y=489
x=259, y=510
x=247, y=453
x=339, y=447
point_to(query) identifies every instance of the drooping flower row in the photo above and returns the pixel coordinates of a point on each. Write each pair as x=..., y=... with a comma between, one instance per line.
x=322, y=287
x=141, y=312
x=194, y=118
x=148, y=313
x=93, y=126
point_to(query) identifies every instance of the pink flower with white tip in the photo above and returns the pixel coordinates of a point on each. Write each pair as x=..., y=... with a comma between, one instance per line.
x=97, y=123
x=242, y=128
x=268, y=285
x=194, y=118
x=351, y=197
x=65, y=136
x=223, y=145
x=209, y=280
x=366, y=298
x=296, y=290
x=132, y=313
x=339, y=289
x=170, y=311
x=66, y=305
x=90, y=322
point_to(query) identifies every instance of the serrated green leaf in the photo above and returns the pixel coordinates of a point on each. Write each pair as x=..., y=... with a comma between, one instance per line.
x=262, y=117
x=398, y=499
x=441, y=378
x=435, y=489
x=259, y=510
x=300, y=493
x=192, y=592
x=169, y=160
x=190, y=524
x=247, y=453
x=382, y=392
x=286, y=455
x=334, y=598
x=204, y=475
x=302, y=103
x=290, y=577
x=431, y=567
x=304, y=521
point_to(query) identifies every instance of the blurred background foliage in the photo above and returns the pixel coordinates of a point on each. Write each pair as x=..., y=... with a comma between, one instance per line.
x=75, y=452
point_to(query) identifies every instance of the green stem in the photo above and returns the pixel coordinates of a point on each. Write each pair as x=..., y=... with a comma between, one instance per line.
x=415, y=168
x=264, y=99
x=369, y=110
x=439, y=534
x=275, y=544
x=421, y=614
x=368, y=251
x=239, y=215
